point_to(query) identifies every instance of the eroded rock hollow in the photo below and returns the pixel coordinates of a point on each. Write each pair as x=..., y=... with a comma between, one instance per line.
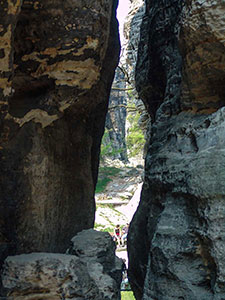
x=176, y=242
x=57, y=62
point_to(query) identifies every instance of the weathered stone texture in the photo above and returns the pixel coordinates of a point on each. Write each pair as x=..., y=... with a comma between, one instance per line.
x=176, y=239
x=132, y=36
x=97, y=250
x=47, y=276
x=202, y=42
x=8, y=18
x=91, y=272
x=186, y=209
x=116, y=118
x=57, y=63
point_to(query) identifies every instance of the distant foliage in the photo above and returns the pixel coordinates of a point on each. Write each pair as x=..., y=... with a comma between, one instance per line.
x=101, y=227
x=127, y=296
x=101, y=184
x=107, y=149
x=104, y=177
x=135, y=138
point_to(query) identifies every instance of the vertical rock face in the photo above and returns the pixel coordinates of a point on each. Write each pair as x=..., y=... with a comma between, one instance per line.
x=116, y=118
x=97, y=250
x=132, y=35
x=57, y=62
x=132, y=38
x=176, y=241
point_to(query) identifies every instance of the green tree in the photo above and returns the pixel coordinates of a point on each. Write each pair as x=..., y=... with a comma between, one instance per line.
x=135, y=138
x=107, y=149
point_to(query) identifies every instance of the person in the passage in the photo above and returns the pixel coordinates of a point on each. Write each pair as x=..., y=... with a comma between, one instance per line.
x=124, y=234
x=117, y=234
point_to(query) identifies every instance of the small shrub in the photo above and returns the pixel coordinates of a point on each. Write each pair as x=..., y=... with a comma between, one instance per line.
x=104, y=177
x=127, y=295
x=135, y=136
x=107, y=147
x=101, y=185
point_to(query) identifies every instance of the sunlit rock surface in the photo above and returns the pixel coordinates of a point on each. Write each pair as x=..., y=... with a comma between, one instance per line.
x=176, y=241
x=57, y=62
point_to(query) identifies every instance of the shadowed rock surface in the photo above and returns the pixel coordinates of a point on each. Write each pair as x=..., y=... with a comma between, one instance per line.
x=57, y=62
x=93, y=272
x=176, y=242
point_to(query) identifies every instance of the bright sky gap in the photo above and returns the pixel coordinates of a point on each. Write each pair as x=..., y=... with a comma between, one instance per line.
x=122, y=12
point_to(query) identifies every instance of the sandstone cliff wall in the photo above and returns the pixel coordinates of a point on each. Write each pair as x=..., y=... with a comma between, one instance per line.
x=116, y=118
x=57, y=62
x=177, y=237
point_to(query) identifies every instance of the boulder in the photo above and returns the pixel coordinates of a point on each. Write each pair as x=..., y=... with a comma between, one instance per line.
x=97, y=250
x=89, y=270
x=48, y=276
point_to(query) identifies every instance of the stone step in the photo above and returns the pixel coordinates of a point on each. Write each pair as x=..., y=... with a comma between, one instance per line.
x=113, y=202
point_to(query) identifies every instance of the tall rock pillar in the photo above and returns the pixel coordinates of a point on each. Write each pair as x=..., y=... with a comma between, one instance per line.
x=57, y=62
x=176, y=241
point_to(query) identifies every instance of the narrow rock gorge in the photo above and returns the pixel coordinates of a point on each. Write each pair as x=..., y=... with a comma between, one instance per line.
x=176, y=242
x=57, y=63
